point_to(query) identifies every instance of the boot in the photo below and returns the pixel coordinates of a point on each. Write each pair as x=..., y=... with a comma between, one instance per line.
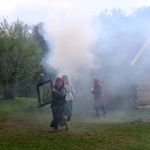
x=55, y=128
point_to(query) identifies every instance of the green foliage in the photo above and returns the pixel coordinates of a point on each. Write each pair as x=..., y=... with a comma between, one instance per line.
x=25, y=126
x=38, y=33
x=20, y=56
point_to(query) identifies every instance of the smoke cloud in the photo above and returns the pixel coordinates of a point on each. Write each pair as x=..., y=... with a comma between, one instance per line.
x=71, y=42
x=71, y=50
x=72, y=36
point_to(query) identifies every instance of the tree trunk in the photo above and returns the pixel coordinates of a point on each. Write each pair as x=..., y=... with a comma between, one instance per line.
x=8, y=92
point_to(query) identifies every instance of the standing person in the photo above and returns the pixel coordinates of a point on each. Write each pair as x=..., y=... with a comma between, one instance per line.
x=41, y=78
x=58, y=104
x=69, y=98
x=98, y=93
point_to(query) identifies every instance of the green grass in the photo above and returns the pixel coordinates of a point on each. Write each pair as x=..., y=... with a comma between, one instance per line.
x=24, y=126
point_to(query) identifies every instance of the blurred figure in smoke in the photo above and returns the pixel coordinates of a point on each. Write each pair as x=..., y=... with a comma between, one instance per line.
x=58, y=104
x=98, y=93
x=69, y=98
x=41, y=78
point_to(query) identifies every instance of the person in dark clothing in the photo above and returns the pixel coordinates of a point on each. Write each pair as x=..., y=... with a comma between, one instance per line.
x=42, y=78
x=98, y=93
x=58, y=105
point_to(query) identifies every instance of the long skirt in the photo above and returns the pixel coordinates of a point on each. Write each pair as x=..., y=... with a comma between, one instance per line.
x=58, y=116
x=68, y=110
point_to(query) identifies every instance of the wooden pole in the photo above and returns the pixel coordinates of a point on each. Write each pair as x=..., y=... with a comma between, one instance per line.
x=140, y=52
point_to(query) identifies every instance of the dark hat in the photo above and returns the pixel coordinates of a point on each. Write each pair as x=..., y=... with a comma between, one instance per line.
x=65, y=77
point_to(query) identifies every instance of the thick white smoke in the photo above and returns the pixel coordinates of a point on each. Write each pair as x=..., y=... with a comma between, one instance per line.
x=71, y=40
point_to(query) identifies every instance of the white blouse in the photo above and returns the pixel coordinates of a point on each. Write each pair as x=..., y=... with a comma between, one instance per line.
x=70, y=91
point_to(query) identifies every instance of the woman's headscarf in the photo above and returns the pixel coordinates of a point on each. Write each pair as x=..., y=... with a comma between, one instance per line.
x=95, y=81
x=59, y=79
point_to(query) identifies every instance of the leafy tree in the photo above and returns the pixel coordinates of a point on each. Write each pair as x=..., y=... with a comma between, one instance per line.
x=39, y=34
x=20, y=56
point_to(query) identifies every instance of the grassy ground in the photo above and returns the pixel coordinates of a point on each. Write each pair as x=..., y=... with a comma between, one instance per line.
x=24, y=126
